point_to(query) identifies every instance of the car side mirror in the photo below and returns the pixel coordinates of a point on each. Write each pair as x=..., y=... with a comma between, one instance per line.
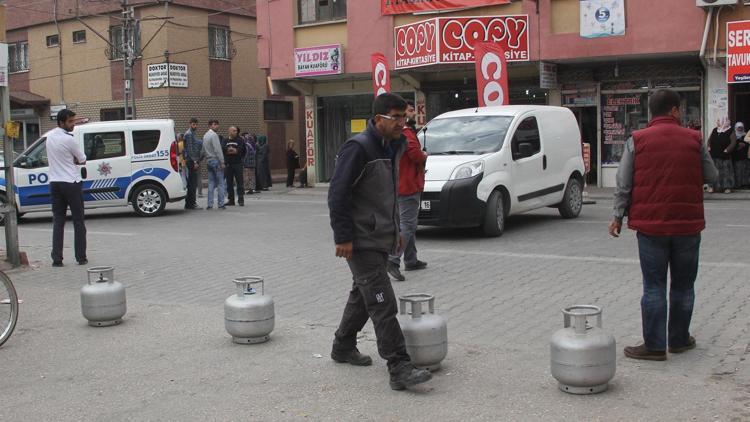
x=525, y=150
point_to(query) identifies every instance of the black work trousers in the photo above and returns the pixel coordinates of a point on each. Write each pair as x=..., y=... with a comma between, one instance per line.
x=67, y=195
x=192, y=183
x=372, y=297
x=234, y=172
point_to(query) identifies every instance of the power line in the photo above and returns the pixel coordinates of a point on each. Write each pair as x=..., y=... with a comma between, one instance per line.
x=142, y=58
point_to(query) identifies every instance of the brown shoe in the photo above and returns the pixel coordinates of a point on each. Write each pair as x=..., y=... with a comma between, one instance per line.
x=640, y=352
x=690, y=345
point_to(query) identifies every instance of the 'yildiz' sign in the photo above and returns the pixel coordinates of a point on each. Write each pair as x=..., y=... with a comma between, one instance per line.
x=319, y=60
x=452, y=39
x=395, y=7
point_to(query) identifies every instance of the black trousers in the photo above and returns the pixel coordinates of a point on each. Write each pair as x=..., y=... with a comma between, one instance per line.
x=234, y=172
x=290, y=177
x=192, y=183
x=372, y=297
x=67, y=195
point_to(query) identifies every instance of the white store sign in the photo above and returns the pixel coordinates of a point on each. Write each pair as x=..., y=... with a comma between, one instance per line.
x=177, y=77
x=318, y=61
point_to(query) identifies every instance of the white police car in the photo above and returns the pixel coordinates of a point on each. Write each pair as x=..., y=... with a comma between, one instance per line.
x=127, y=162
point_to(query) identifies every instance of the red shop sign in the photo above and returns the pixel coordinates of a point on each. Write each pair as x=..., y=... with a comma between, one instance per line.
x=452, y=40
x=395, y=7
x=738, y=52
x=381, y=76
x=492, y=75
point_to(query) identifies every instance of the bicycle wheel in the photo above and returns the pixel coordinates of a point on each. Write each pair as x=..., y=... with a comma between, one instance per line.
x=8, y=308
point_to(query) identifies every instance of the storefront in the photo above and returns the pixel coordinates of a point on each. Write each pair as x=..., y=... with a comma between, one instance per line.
x=609, y=111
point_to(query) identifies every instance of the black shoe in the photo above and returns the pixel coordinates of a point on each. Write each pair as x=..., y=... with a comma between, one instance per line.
x=351, y=356
x=193, y=207
x=690, y=345
x=229, y=204
x=395, y=272
x=57, y=263
x=223, y=207
x=406, y=375
x=84, y=261
x=420, y=265
x=242, y=204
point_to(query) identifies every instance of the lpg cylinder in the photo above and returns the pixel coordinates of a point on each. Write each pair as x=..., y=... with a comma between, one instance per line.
x=103, y=300
x=425, y=334
x=582, y=356
x=249, y=316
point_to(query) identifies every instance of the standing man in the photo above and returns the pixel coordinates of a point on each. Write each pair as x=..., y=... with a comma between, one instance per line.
x=364, y=218
x=660, y=187
x=65, y=155
x=410, y=186
x=193, y=157
x=234, y=151
x=214, y=164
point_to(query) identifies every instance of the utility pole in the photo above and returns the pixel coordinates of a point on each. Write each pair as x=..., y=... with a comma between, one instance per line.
x=13, y=254
x=128, y=58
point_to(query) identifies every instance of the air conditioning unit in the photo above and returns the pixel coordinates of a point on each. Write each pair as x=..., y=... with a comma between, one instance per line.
x=709, y=3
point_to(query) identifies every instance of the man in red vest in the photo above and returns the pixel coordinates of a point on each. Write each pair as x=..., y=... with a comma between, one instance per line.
x=660, y=187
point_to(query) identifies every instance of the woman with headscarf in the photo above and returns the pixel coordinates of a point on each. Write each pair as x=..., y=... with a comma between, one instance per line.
x=262, y=169
x=739, y=158
x=720, y=144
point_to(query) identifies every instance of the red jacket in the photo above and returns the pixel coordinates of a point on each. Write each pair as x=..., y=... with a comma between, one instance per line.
x=411, y=167
x=667, y=195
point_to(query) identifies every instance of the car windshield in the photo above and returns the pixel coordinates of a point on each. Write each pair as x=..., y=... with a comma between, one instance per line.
x=465, y=135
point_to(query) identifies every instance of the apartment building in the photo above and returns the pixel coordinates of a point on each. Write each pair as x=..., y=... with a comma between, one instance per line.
x=69, y=54
x=601, y=58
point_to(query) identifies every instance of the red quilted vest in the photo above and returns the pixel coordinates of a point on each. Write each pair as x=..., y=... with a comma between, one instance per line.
x=667, y=195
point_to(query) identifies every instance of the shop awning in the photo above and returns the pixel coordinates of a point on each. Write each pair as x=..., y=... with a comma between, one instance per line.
x=28, y=99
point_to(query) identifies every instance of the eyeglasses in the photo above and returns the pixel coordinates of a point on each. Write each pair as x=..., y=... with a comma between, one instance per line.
x=401, y=118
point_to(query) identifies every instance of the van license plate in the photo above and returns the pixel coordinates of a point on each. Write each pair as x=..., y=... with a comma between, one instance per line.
x=425, y=205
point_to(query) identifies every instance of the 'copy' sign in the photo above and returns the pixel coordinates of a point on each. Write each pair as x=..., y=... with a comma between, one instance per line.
x=381, y=76
x=492, y=75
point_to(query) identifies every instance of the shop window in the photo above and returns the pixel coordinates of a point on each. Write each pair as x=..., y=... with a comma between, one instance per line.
x=109, y=114
x=102, y=145
x=278, y=110
x=621, y=115
x=145, y=141
x=53, y=40
x=116, y=49
x=311, y=11
x=18, y=57
x=218, y=42
x=79, y=37
x=526, y=133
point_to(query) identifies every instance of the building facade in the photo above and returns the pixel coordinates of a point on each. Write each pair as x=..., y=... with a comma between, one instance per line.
x=601, y=58
x=66, y=53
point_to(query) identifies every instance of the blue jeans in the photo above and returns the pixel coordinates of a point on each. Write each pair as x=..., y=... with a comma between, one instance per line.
x=680, y=255
x=408, y=207
x=216, y=180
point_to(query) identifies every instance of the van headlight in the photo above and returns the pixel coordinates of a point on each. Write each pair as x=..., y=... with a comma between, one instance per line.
x=467, y=170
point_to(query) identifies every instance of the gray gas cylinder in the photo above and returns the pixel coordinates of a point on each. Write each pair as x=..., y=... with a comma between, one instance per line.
x=103, y=300
x=582, y=356
x=249, y=315
x=426, y=334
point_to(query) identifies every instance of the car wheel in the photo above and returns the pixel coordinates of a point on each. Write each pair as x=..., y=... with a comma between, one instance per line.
x=4, y=202
x=149, y=200
x=494, y=218
x=572, y=201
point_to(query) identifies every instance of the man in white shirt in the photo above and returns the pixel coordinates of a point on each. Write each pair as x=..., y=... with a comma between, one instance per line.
x=65, y=156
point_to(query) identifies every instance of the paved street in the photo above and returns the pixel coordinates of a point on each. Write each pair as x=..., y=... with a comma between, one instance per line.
x=171, y=359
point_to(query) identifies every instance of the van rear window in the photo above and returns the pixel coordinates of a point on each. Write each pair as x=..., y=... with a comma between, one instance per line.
x=145, y=141
x=465, y=135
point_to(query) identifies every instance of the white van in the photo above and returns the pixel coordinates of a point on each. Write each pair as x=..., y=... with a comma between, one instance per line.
x=488, y=163
x=127, y=162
